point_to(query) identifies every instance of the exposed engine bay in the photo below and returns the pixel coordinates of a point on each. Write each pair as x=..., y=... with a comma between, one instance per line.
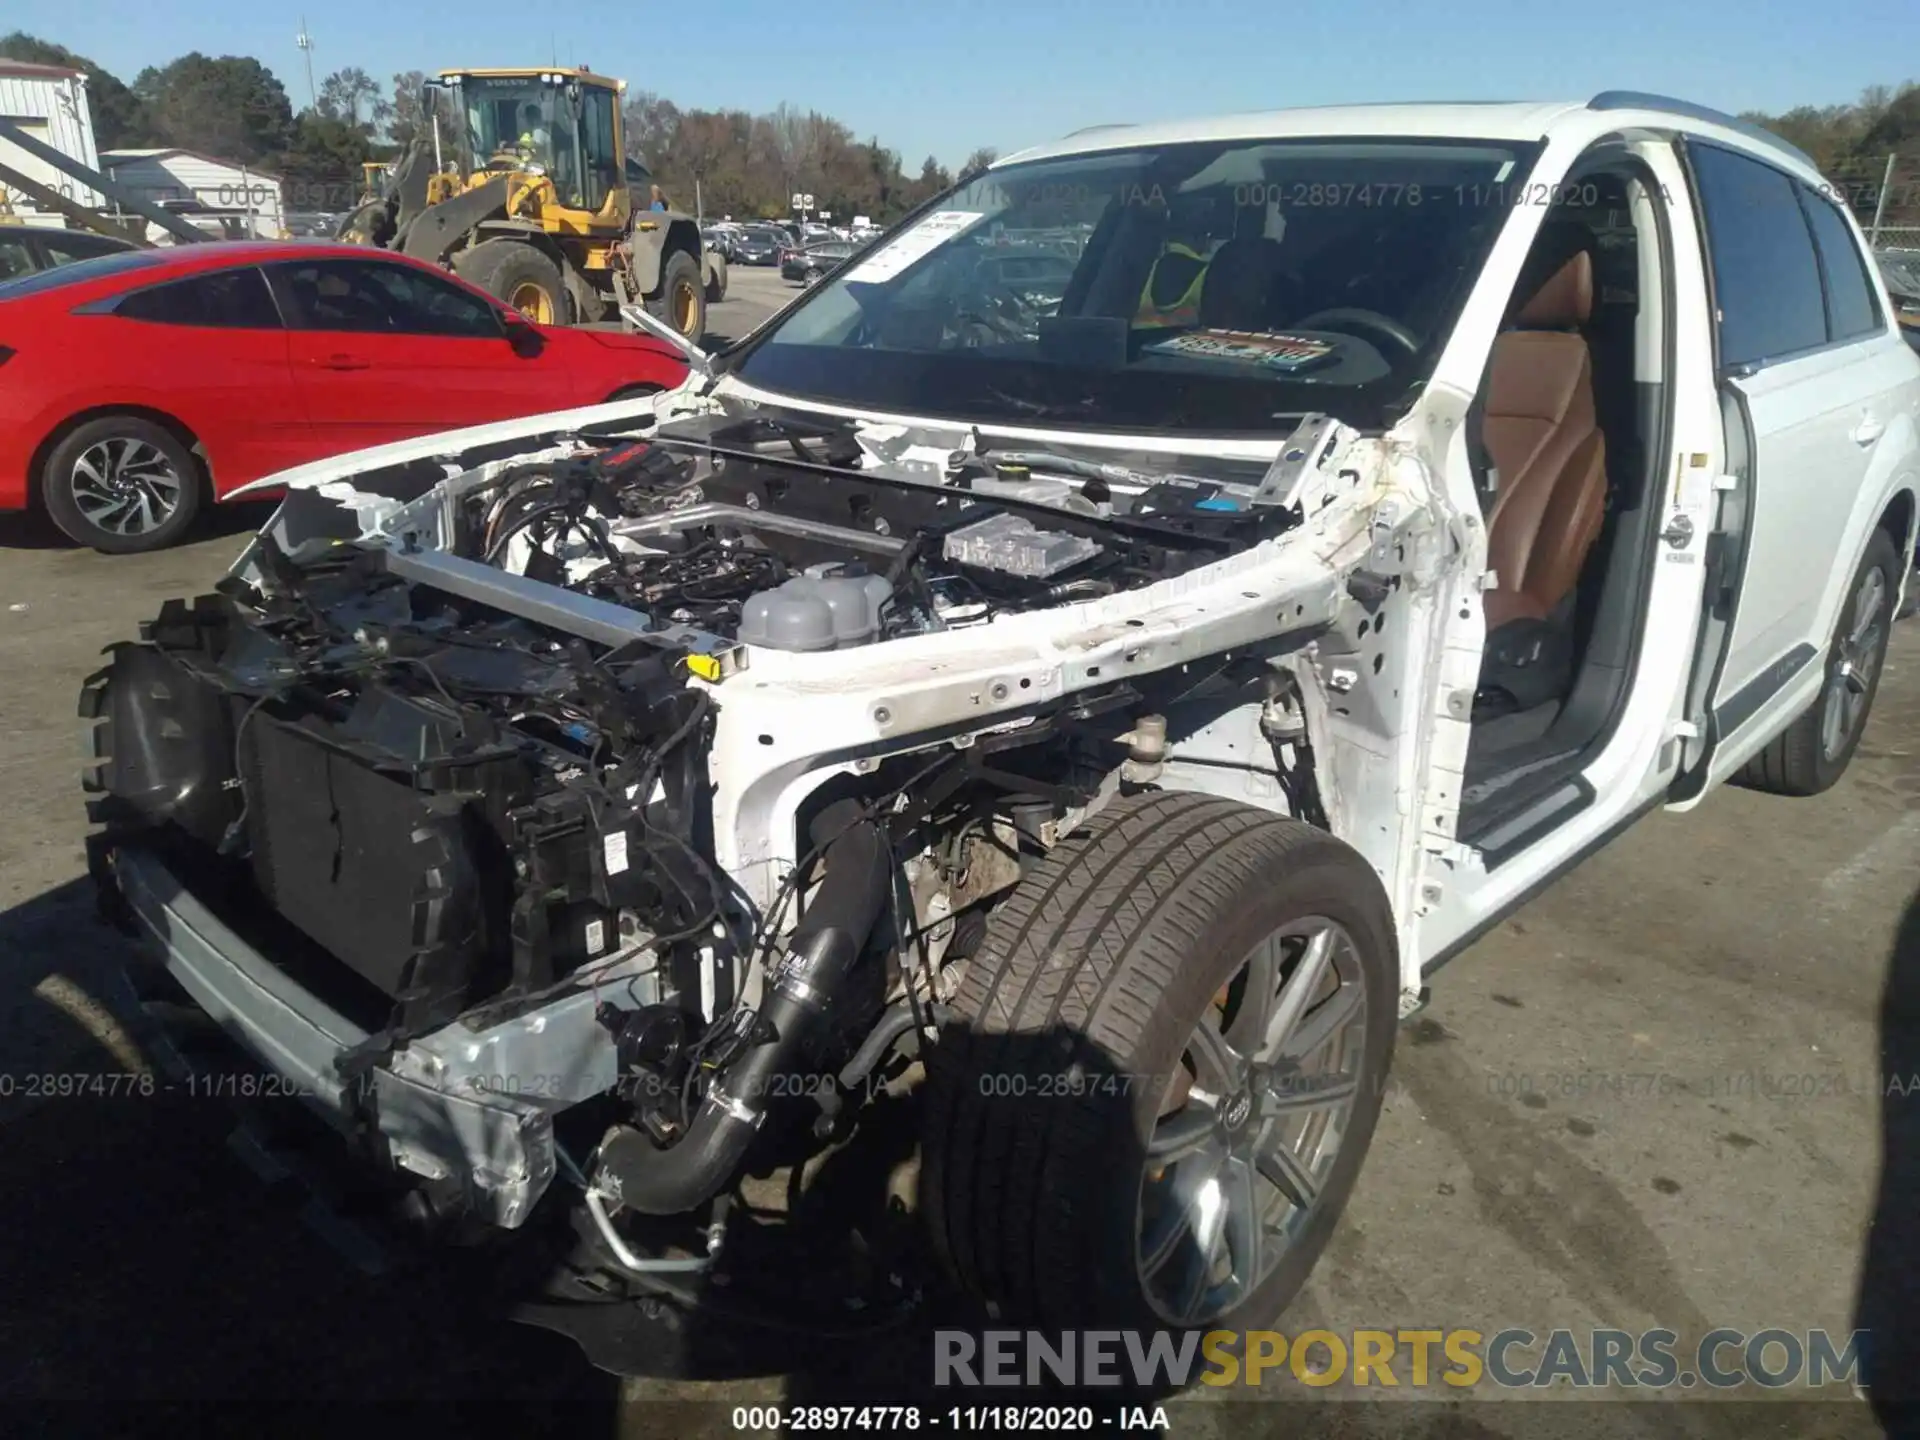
x=530, y=781
x=807, y=538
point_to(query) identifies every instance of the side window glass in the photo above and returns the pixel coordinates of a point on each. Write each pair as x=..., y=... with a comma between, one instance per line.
x=363, y=297
x=1852, y=307
x=63, y=249
x=1765, y=276
x=15, y=258
x=223, y=300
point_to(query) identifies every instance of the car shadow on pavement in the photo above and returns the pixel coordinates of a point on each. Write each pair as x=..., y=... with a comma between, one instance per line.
x=831, y=1299
x=150, y=1277
x=32, y=530
x=1889, y=1307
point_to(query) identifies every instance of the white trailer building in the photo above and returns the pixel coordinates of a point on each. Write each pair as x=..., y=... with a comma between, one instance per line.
x=49, y=102
x=187, y=181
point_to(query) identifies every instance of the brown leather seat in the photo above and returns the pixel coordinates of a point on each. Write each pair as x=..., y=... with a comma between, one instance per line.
x=1541, y=434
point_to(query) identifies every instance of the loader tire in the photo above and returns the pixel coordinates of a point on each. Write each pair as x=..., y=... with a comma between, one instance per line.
x=518, y=275
x=1069, y=1095
x=681, y=300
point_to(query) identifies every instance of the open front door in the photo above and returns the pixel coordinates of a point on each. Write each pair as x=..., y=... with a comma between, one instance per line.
x=1631, y=701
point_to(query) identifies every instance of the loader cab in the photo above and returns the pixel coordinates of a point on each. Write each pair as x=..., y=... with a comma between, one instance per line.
x=563, y=125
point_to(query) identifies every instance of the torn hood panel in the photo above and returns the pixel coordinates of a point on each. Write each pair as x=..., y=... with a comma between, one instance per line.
x=448, y=445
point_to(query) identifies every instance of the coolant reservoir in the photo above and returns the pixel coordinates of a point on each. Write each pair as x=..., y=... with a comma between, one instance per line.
x=815, y=612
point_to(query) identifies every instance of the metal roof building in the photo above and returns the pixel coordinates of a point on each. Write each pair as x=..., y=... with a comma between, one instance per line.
x=49, y=102
x=172, y=174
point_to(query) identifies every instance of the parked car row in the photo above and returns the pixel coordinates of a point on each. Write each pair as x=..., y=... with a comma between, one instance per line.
x=747, y=244
x=1901, y=270
x=137, y=385
x=807, y=264
x=763, y=242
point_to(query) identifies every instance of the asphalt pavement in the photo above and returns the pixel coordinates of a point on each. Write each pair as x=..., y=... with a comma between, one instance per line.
x=753, y=293
x=1656, y=1096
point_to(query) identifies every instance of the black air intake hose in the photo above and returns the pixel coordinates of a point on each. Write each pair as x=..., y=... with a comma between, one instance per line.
x=826, y=943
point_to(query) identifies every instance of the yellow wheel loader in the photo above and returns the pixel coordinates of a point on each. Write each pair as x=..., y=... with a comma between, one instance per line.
x=534, y=199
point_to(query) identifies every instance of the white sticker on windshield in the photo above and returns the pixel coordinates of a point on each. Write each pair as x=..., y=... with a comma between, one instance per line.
x=923, y=239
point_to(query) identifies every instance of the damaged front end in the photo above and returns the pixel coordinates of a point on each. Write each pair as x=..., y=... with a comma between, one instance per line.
x=616, y=788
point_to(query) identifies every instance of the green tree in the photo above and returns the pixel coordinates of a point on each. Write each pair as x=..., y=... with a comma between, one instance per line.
x=118, y=118
x=933, y=179
x=1852, y=145
x=346, y=94
x=320, y=170
x=407, y=115
x=231, y=107
x=651, y=123
x=978, y=160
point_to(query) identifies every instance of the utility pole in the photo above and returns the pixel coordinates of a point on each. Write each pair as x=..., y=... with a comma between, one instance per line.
x=305, y=42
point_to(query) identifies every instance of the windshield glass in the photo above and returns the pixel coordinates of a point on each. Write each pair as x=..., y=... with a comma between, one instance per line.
x=509, y=117
x=1208, y=286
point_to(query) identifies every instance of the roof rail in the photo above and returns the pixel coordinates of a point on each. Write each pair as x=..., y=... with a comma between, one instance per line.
x=1089, y=129
x=1641, y=100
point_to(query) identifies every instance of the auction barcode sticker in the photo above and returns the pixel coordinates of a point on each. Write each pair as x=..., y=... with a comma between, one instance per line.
x=923, y=239
x=1276, y=352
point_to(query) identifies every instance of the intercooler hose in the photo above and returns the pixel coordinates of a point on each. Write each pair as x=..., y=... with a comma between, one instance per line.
x=825, y=946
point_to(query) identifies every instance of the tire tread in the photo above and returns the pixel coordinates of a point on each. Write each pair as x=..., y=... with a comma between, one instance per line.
x=1088, y=945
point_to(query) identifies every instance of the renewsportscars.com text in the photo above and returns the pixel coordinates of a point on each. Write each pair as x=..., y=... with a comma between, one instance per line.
x=1511, y=1359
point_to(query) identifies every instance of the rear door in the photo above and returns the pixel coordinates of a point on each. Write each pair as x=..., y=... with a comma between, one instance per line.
x=1809, y=378
x=383, y=351
x=210, y=349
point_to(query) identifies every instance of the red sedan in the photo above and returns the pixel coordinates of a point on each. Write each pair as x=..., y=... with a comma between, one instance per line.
x=138, y=386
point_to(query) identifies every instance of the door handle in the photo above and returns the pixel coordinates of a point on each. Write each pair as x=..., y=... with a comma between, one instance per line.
x=1867, y=431
x=342, y=362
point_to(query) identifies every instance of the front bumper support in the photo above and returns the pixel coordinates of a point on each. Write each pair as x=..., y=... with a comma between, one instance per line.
x=497, y=1148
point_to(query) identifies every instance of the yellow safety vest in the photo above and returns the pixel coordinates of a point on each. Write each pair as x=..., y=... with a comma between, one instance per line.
x=1184, y=309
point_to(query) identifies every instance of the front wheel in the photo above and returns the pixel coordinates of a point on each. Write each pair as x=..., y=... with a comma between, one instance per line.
x=1165, y=1068
x=121, y=485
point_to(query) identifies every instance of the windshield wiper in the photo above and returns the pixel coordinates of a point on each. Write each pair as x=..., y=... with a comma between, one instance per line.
x=1087, y=469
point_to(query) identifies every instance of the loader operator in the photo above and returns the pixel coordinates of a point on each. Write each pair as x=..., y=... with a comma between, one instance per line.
x=533, y=133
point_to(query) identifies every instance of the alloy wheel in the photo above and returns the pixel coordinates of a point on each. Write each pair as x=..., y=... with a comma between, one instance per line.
x=1250, y=1128
x=126, y=486
x=1857, y=657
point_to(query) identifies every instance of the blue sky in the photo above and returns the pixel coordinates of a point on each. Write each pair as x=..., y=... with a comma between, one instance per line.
x=942, y=76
